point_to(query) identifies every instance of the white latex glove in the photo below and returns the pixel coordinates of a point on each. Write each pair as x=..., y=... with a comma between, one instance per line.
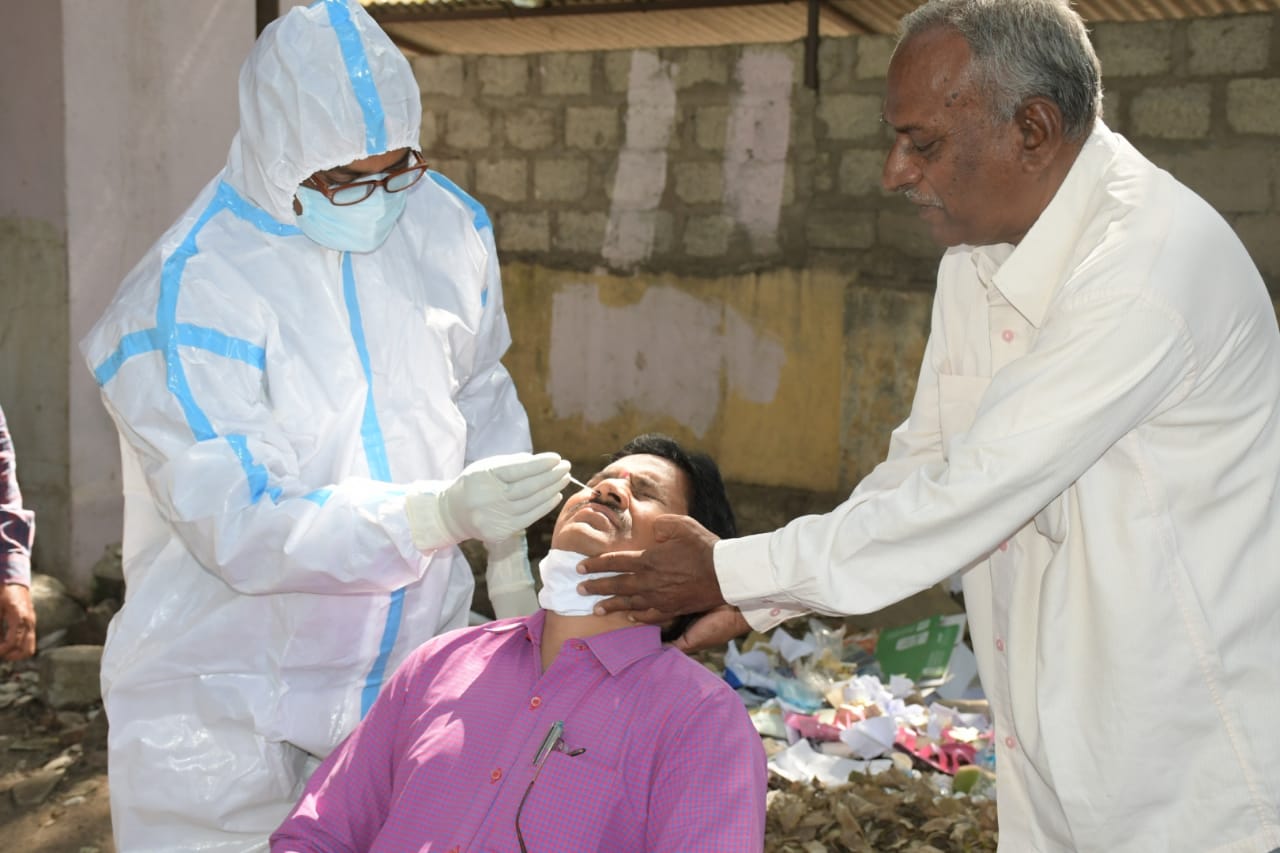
x=508, y=579
x=492, y=499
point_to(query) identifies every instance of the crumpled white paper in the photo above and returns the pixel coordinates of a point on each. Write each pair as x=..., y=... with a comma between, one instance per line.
x=800, y=762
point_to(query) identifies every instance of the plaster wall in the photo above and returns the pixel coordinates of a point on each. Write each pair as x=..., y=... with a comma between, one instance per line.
x=116, y=114
x=33, y=275
x=151, y=109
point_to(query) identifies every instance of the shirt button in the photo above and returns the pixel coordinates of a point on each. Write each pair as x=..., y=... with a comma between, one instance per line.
x=582, y=647
x=497, y=773
x=1004, y=546
x=999, y=645
x=1010, y=742
x=1007, y=334
x=775, y=611
x=535, y=701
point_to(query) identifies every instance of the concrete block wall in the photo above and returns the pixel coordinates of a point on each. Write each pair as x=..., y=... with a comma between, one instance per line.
x=693, y=161
x=706, y=197
x=1201, y=98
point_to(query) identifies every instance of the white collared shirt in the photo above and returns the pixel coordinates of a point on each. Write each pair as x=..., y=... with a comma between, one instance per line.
x=1095, y=441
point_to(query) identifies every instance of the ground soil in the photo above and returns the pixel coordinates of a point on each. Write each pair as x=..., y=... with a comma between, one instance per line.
x=75, y=817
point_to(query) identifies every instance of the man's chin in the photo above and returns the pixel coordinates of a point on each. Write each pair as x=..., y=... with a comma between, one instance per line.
x=939, y=225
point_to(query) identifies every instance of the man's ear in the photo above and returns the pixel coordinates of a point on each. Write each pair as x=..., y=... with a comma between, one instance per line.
x=1039, y=123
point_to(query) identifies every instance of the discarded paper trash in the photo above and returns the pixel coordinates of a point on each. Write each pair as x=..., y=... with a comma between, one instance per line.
x=861, y=760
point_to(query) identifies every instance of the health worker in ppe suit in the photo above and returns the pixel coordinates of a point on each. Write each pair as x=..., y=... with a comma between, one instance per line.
x=305, y=374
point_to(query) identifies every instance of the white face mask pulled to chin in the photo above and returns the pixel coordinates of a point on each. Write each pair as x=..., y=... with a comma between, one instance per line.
x=560, y=579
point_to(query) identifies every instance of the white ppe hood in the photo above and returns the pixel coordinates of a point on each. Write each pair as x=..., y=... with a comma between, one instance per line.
x=308, y=102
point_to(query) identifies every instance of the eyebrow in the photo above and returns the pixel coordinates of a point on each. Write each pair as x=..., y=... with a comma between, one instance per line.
x=643, y=481
x=901, y=128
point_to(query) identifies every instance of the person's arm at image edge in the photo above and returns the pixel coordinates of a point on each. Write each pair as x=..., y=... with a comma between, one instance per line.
x=17, y=535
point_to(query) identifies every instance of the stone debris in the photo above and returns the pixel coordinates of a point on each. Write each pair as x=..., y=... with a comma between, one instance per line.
x=69, y=676
x=68, y=757
x=36, y=787
x=55, y=609
x=19, y=689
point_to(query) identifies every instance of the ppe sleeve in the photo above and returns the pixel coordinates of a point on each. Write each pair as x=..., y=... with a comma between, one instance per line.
x=17, y=524
x=496, y=420
x=1102, y=363
x=224, y=474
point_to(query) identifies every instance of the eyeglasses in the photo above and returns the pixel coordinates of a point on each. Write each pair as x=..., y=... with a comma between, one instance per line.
x=354, y=192
x=553, y=742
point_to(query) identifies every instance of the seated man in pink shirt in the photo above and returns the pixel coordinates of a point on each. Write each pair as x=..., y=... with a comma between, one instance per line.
x=562, y=731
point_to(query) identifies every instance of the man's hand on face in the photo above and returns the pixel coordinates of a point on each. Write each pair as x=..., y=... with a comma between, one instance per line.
x=675, y=575
x=714, y=629
x=17, y=622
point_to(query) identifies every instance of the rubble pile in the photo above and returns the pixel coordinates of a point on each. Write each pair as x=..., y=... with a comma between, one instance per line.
x=860, y=760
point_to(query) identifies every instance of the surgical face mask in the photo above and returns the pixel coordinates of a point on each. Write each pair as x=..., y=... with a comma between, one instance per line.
x=350, y=228
x=560, y=579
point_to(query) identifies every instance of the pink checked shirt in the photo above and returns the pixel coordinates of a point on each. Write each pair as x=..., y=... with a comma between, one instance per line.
x=670, y=759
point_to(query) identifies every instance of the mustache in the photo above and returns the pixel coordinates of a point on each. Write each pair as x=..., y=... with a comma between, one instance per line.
x=611, y=506
x=915, y=196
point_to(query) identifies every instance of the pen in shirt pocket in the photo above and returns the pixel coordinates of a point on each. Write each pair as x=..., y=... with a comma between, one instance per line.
x=549, y=742
x=555, y=740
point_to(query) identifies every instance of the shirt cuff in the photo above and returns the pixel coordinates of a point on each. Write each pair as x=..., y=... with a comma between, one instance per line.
x=767, y=618
x=15, y=568
x=745, y=573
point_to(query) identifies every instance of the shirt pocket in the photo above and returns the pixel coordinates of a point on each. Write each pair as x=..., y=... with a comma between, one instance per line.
x=958, y=399
x=578, y=804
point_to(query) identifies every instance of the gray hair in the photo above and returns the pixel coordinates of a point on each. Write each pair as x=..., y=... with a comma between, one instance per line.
x=1023, y=49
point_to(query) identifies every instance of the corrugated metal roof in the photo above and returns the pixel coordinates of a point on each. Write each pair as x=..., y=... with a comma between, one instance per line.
x=530, y=26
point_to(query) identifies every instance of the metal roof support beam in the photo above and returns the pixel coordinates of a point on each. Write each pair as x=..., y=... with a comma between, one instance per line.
x=846, y=19
x=413, y=13
x=412, y=44
x=811, y=46
x=265, y=11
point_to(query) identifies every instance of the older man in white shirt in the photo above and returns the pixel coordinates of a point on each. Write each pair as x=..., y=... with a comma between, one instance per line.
x=1094, y=441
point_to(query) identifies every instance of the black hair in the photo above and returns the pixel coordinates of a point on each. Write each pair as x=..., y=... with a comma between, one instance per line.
x=708, y=502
